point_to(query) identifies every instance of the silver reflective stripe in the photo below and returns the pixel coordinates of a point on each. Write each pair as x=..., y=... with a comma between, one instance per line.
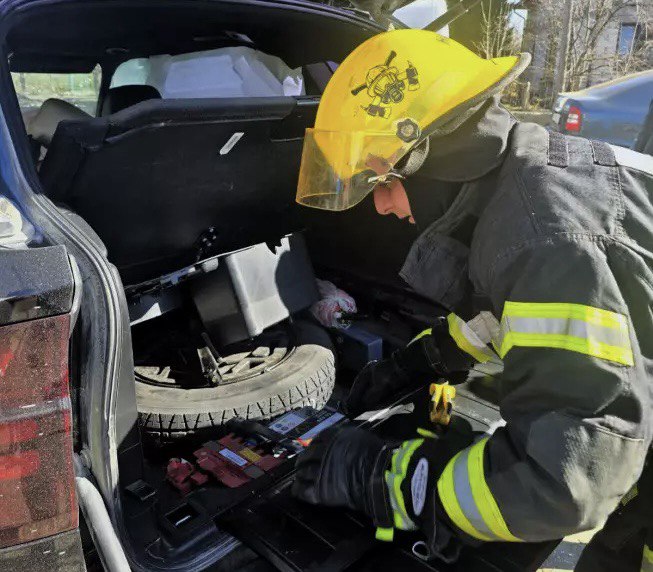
x=398, y=457
x=632, y=159
x=485, y=326
x=468, y=340
x=566, y=327
x=464, y=495
x=404, y=520
x=393, y=479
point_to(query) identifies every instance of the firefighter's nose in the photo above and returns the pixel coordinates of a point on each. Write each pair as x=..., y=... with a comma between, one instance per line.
x=383, y=200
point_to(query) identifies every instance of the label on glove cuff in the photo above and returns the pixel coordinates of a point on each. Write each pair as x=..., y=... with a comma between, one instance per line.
x=418, y=485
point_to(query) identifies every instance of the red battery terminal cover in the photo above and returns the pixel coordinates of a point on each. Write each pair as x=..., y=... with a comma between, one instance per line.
x=235, y=462
x=183, y=475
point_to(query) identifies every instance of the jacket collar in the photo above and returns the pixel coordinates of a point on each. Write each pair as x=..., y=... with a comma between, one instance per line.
x=474, y=149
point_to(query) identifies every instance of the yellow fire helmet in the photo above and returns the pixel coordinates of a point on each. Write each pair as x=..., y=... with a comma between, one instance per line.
x=390, y=94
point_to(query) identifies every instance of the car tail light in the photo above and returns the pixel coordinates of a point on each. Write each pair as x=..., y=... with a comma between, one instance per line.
x=37, y=480
x=574, y=119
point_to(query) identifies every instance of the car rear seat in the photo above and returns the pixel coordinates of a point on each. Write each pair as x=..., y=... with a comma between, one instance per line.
x=152, y=179
x=43, y=124
x=119, y=98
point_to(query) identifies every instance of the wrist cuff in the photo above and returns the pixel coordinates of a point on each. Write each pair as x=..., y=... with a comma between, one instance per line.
x=379, y=508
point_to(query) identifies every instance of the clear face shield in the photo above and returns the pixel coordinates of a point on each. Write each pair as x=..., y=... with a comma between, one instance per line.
x=358, y=161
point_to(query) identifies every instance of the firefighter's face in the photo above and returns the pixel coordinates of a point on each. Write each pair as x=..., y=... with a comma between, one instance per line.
x=391, y=198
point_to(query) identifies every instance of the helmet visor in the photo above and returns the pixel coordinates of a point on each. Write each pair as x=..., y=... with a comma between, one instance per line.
x=358, y=161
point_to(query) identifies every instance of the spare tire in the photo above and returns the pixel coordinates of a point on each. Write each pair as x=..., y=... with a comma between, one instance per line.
x=305, y=377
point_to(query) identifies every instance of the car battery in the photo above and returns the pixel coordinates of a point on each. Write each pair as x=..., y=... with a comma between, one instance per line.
x=254, y=449
x=234, y=461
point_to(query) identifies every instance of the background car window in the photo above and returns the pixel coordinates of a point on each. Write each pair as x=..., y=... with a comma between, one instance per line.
x=131, y=72
x=80, y=89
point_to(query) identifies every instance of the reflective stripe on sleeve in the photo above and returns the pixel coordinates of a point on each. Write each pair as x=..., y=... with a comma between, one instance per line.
x=647, y=559
x=467, y=340
x=574, y=327
x=467, y=499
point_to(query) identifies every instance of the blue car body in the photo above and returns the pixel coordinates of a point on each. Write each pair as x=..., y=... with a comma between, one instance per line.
x=613, y=111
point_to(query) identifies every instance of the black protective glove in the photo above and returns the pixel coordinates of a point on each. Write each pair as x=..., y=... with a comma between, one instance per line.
x=421, y=362
x=345, y=467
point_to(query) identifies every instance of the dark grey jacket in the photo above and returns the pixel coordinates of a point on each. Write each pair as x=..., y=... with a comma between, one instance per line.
x=554, y=220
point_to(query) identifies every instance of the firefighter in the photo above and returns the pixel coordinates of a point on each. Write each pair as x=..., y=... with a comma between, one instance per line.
x=541, y=247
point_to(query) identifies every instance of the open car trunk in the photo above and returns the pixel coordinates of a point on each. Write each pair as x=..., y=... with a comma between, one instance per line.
x=199, y=336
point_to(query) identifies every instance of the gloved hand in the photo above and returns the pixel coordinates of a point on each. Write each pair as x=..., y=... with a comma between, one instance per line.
x=345, y=467
x=443, y=540
x=419, y=363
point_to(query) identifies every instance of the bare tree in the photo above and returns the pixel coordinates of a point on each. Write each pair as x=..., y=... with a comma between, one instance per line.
x=591, y=19
x=498, y=35
x=640, y=54
x=592, y=50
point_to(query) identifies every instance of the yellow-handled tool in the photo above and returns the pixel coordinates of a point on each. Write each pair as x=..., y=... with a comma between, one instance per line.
x=442, y=396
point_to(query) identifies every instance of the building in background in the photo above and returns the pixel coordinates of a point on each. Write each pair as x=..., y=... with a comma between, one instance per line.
x=605, y=39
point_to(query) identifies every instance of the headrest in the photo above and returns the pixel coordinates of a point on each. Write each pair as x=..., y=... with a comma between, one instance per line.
x=119, y=98
x=43, y=125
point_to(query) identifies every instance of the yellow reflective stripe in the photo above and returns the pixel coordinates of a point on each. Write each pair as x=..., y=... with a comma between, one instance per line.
x=394, y=478
x=385, y=534
x=647, y=560
x=588, y=314
x=461, y=334
x=648, y=554
x=585, y=346
x=447, y=493
x=427, y=433
x=483, y=497
x=421, y=335
x=574, y=327
x=400, y=517
x=467, y=499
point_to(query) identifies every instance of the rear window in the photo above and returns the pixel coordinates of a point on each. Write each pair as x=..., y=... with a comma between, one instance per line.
x=80, y=89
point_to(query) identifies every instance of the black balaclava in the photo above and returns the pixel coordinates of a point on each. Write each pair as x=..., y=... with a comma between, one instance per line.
x=473, y=150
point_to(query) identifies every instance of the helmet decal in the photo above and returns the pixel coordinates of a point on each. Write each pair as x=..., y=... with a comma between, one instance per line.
x=385, y=85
